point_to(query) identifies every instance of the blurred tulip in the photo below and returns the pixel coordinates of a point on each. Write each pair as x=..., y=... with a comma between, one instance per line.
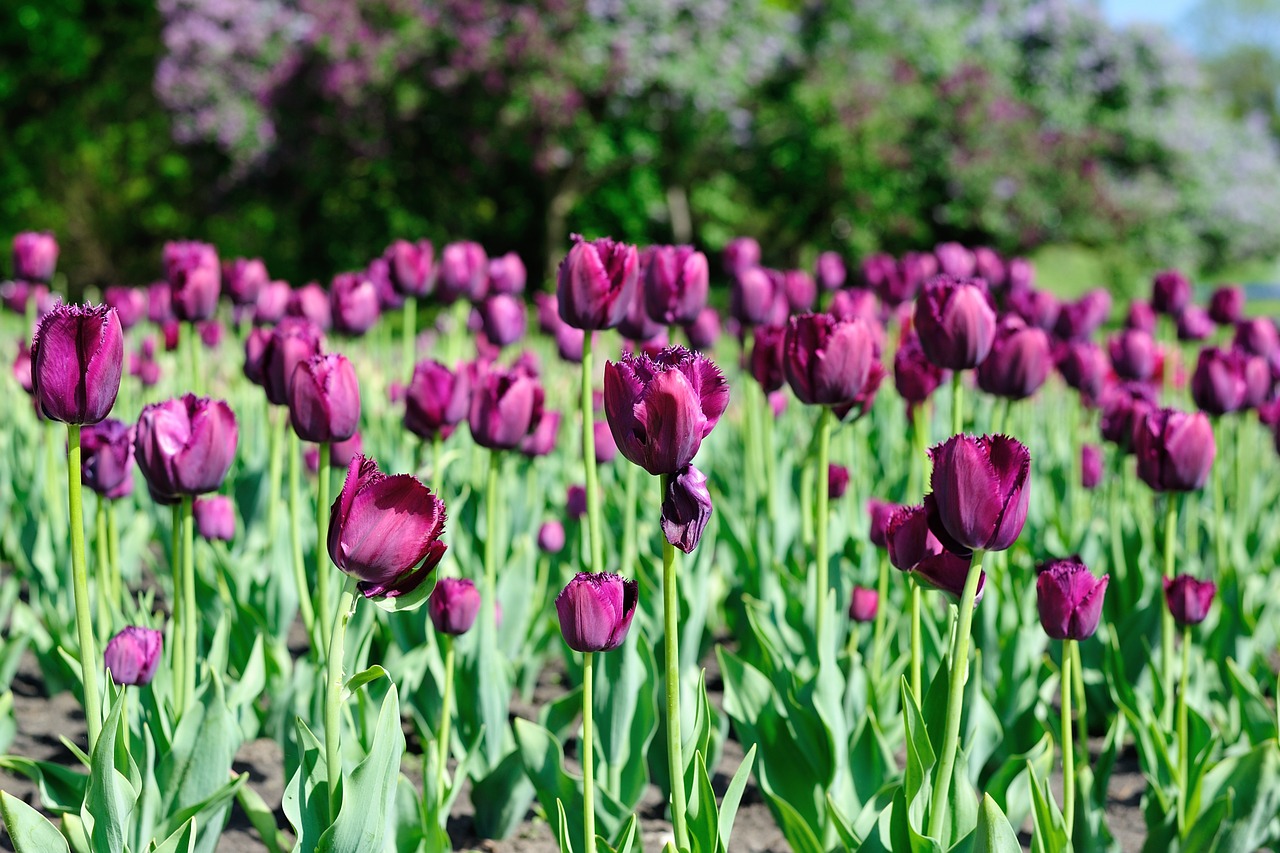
x=185, y=446
x=310, y=302
x=133, y=655
x=801, y=291
x=830, y=271
x=686, y=508
x=507, y=274
x=454, y=605
x=504, y=318
x=1194, y=324
x=595, y=611
x=1019, y=361
x=856, y=304
x=575, y=502
x=353, y=303
x=412, y=267
x=826, y=361
x=1141, y=316
x=837, y=481
x=272, y=303
x=245, y=278
x=215, y=518
x=77, y=358
x=741, y=253
x=1124, y=408
x=915, y=269
x=955, y=260
x=1259, y=381
x=704, y=331
x=551, y=537
x=210, y=332
x=637, y=326
x=1077, y=321
x=1257, y=336
x=981, y=489
x=1133, y=354
x=159, y=303
x=955, y=322
x=765, y=361
x=506, y=405
x=606, y=447
x=752, y=297
x=1090, y=466
x=1189, y=599
x=1226, y=305
x=1170, y=293
x=541, y=441
x=324, y=399
x=1175, y=450
x=35, y=255
x=1038, y=308
x=880, y=514
x=596, y=283
x=291, y=342
x=106, y=466
x=676, y=284
x=437, y=399
x=1085, y=367
x=129, y=303
x=195, y=279
x=883, y=275
x=22, y=366
x=915, y=377
x=863, y=604
x=1069, y=599
x=1218, y=383
x=172, y=333
x=988, y=266
x=464, y=272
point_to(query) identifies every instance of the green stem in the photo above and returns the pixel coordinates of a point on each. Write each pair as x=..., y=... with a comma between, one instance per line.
x=409, y=336
x=589, y=461
x=671, y=645
x=305, y=606
x=1082, y=707
x=333, y=696
x=1219, y=512
x=588, y=756
x=276, y=427
x=957, y=403
x=1166, y=616
x=446, y=715
x=113, y=556
x=437, y=463
x=102, y=567
x=190, y=618
x=770, y=464
x=917, y=650
x=1184, y=742
x=80, y=590
x=630, y=545
x=188, y=334
x=882, y=608
x=955, y=698
x=1068, y=751
x=821, y=557
x=179, y=646
x=323, y=604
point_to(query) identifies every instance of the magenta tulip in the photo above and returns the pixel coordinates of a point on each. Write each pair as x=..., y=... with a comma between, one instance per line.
x=215, y=518
x=1090, y=466
x=311, y=302
x=596, y=610
x=185, y=446
x=826, y=361
x=454, y=605
x=1069, y=599
x=353, y=303
x=955, y=322
x=981, y=490
x=551, y=537
x=437, y=399
x=464, y=272
x=77, y=358
x=686, y=508
x=292, y=341
x=1175, y=450
x=133, y=655
x=837, y=481
x=245, y=278
x=914, y=375
x=863, y=604
x=324, y=399
x=412, y=267
x=1218, y=385
x=1226, y=305
x=1170, y=293
x=830, y=271
x=1189, y=599
x=35, y=256
x=676, y=284
x=195, y=279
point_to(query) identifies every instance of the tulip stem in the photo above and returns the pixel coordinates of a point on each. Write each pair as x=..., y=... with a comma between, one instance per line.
x=1068, y=751
x=1082, y=706
x=957, y=403
x=190, y=622
x=333, y=697
x=1219, y=500
x=446, y=715
x=882, y=599
x=1166, y=615
x=103, y=570
x=189, y=350
x=671, y=644
x=631, y=485
x=917, y=650
x=588, y=756
x=596, y=553
x=113, y=556
x=955, y=698
x=822, y=558
x=1184, y=742
x=80, y=590
x=770, y=465
x=323, y=603
x=305, y=606
x=437, y=463
x=409, y=336
x=276, y=429
x=179, y=647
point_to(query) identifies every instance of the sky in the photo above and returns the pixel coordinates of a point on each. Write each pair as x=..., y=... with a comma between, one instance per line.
x=1167, y=12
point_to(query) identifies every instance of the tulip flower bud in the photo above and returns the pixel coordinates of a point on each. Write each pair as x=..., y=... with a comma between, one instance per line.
x=385, y=530
x=1170, y=293
x=1141, y=316
x=863, y=604
x=106, y=465
x=454, y=605
x=1038, y=308
x=412, y=266
x=880, y=514
x=506, y=406
x=215, y=518
x=1257, y=336
x=766, y=358
x=35, y=255
x=606, y=447
x=837, y=481
x=1078, y=320
x=292, y=341
x=915, y=376
x=22, y=366
x=1188, y=598
x=353, y=303
x=1085, y=367
x=1124, y=408
x=211, y=332
x=1226, y=305
x=507, y=274
x=464, y=272
x=596, y=283
x=551, y=537
x=1218, y=384
x=676, y=284
x=437, y=400
x=830, y=271
x=1019, y=361
x=955, y=260
x=324, y=399
x=272, y=303
x=704, y=331
x=826, y=361
x=686, y=508
x=913, y=548
x=955, y=322
x=130, y=304
x=77, y=358
x=504, y=318
x=596, y=610
x=980, y=492
x=310, y=302
x=1133, y=355
x=753, y=296
x=1069, y=598
x=741, y=253
x=801, y=291
x=133, y=655
x=541, y=440
x=1090, y=466
x=195, y=279
x=185, y=446
x=1175, y=450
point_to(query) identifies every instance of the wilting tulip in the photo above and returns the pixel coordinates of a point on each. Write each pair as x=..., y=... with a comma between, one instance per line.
x=955, y=260
x=686, y=508
x=1189, y=599
x=826, y=361
x=596, y=283
x=504, y=318
x=385, y=530
x=765, y=361
x=437, y=400
x=324, y=399
x=454, y=605
x=1019, y=361
x=676, y=284
x=506, y=405
x=1194, y=324
x=753, y=295
x=955, y=322
x=272, y=303
x=863, y=604
x=575, y=502
x=981, y=490
x=880, y=514
x=837, y=481
x=35, y=255
x=133, y=655
x=353, y=303
x=801, y=291
x=464, y=272
x=660, y=408
x=1257, y=336
x=412, y=266
x=129, y=303
x=106, y=466
x=1090, y=466
x=1175, y=450
x=704, y=331
x=292, y=341
x=1077, y=321
x=77, y=358
x=1226, y=305
x=1085, y=367
x=1170, y=293
x=311, y=302
x=915, y=377
x=185, y=446
x=551, y=537
x=741, y=253
x=541, y=441
x=830, y=271
x=195, y=279
x=1133, y=355
x=595, y=611
x=215, y=517
x=245, y=278
x=1069, y=598
x=1218, y=384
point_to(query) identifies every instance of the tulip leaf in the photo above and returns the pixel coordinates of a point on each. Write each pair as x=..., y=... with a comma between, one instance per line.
x=1253, y=779
x=369, y=793
x=61, y=788
x=502, y=796
x=109, y=799
x=794, y=828
x=360, y=679
x=411, y=600
x=733, y=796
x=306, y=796
x=704, y=836
x=262, y=818
x=183, y=840
x=1049, y=832
x=562, y=829
x=626, y=838
x=993, y=834
x=29, y=831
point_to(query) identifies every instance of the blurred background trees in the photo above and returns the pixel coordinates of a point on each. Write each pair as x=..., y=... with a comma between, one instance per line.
x=311, y=132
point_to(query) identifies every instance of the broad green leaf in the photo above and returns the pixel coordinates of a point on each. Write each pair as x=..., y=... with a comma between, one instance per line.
x=109, y=799
x=1049, y=833
x=306, y=796
x=733, y=796
x=993, y=834
x=368, y=795
x=29, y=831
x=360, y=679
x=183, y=840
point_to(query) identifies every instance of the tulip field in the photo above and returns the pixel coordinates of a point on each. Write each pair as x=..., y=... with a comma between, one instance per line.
x=671, y=551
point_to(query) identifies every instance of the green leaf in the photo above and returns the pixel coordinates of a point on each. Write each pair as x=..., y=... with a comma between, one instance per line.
x=920, y=755
x=733, y=796
x=704, y=835
x=183, y=840
x=306, y=796
x=411, y=600
x=109, y=799
x=262, y=818
x=627, y=837
x=1049, y=833
x=562, y=829
x=61, y=788
x=360, y=679
x=795, y=828
x=1254, y=781
x=993, y=833
x=29, y=830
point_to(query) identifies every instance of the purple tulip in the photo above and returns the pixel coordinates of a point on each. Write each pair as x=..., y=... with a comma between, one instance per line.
x=159, y=302
x=765, y=361
x=1085, y=367
x=915, y=377
x=185, y=446
x=1090, y=466
x=129, y=303
x=22, y=366
x=863, y=604
x=660, y=408
x=1020, y=275
x=1218, y=384
x=1133, y=355
x=1141, y=316
x=195, y=279
x=1038, y=308
x=1077, y=321
x=215, y=518
x=1226, y=305
x=1257, y=336
x=880, y=514
x=955, y=322
x=575, y=502
x=606, y=447
x=596, y=283
x=801, y=291
x=353, y=303
x=272, y=303
x=1170, y=293
x=541, y=440
x=913, y=548
x=753, y=296
x=412, y=267
x=503, y=316
x=704, y=331
x=981, y=489
x=855, y=304
x=291, y=342
x=385, y=530
x=106, y=466
x=464, y=272
x=826, y=361
x=245, y=278
x=311, y=302
x=506, y=406
x=915, y=269
x=595, y=611
x=437, y=400
x=1069, y=598
x=324, y=399
x=676, y=284
x=837, y=481
x=637, y=326
x=551, y=537
x=77, y=358
x=1194, y=324
x=1188, y=599
x=955, y=260
x=1124, y=408
x=172, y=332
x=1019, y=361
x=1259, y=381
x=741, y=253
x=686, y=508
x=210, y=332
x=1175, y=450
x=988, y=266
x=886, y=277
x=507, y=274
x=454, y=605
x=133, y=655
x=830, y=271
x=35, y=255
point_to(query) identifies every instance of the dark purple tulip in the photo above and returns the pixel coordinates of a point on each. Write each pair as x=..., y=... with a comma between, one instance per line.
x=1133, y=354
x=22, y=366
x=159, y=303
x=753, y=295
x=1175, y=450
x=637, y=326
x=570, y=341
x=830, y=271
x=1038, y=308
x=437, y=400
x=1069, y=598
x=378, y=271
x=661, y=407
x=947, y=573
x=686, y=508
x=988, y=266
x=1090, y=466
x=324, y=399
x=185, y=446
x=507, y=274
x=1218, y=384
x=245, y=278
x=1085, y=367
x=741, y=253
x=1257, y=336
x=1194, y=324
x=215, y=518
x=880, y=514
x=575, y=502
x=595, y=611
x=210, y=332
x=826, y=361
x=1077, y=321
x=606, y=447
x=292, y=341
x=1124, y=408
x=551, y=537
x=837, y=481
x=148, y=371
x=464, y=272
x=195, y=279
x=800, y=290
x=1141, y=316
x=35, y=255
x=855, y=304
x=272, y=303
x=504, y=318
x=385, y=530
x=1259, y=381
x=77, y=358
x=883, y=275
x=311, y=302
x=955, y=322
x=255, y=353
x=1020, y=274
x=353, y=303
x=1188, y=598
x=1170, y=293
x=15, y=295
x=704, y=331
x=955, y=260
x=596, y=283
x=129, y=302
x=1226, y=305
x=506, y=405
x=542, y=440
x=766, y=358
x=133, y=655
x=916, y=268
x=454, y=605
x=676, y=284
x=915, y=377
x=863, y=604
x=1019, y=361
x=412, y=266
x=172, y=332
x=981, y=489
x=107, y=464
x=914, y=548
